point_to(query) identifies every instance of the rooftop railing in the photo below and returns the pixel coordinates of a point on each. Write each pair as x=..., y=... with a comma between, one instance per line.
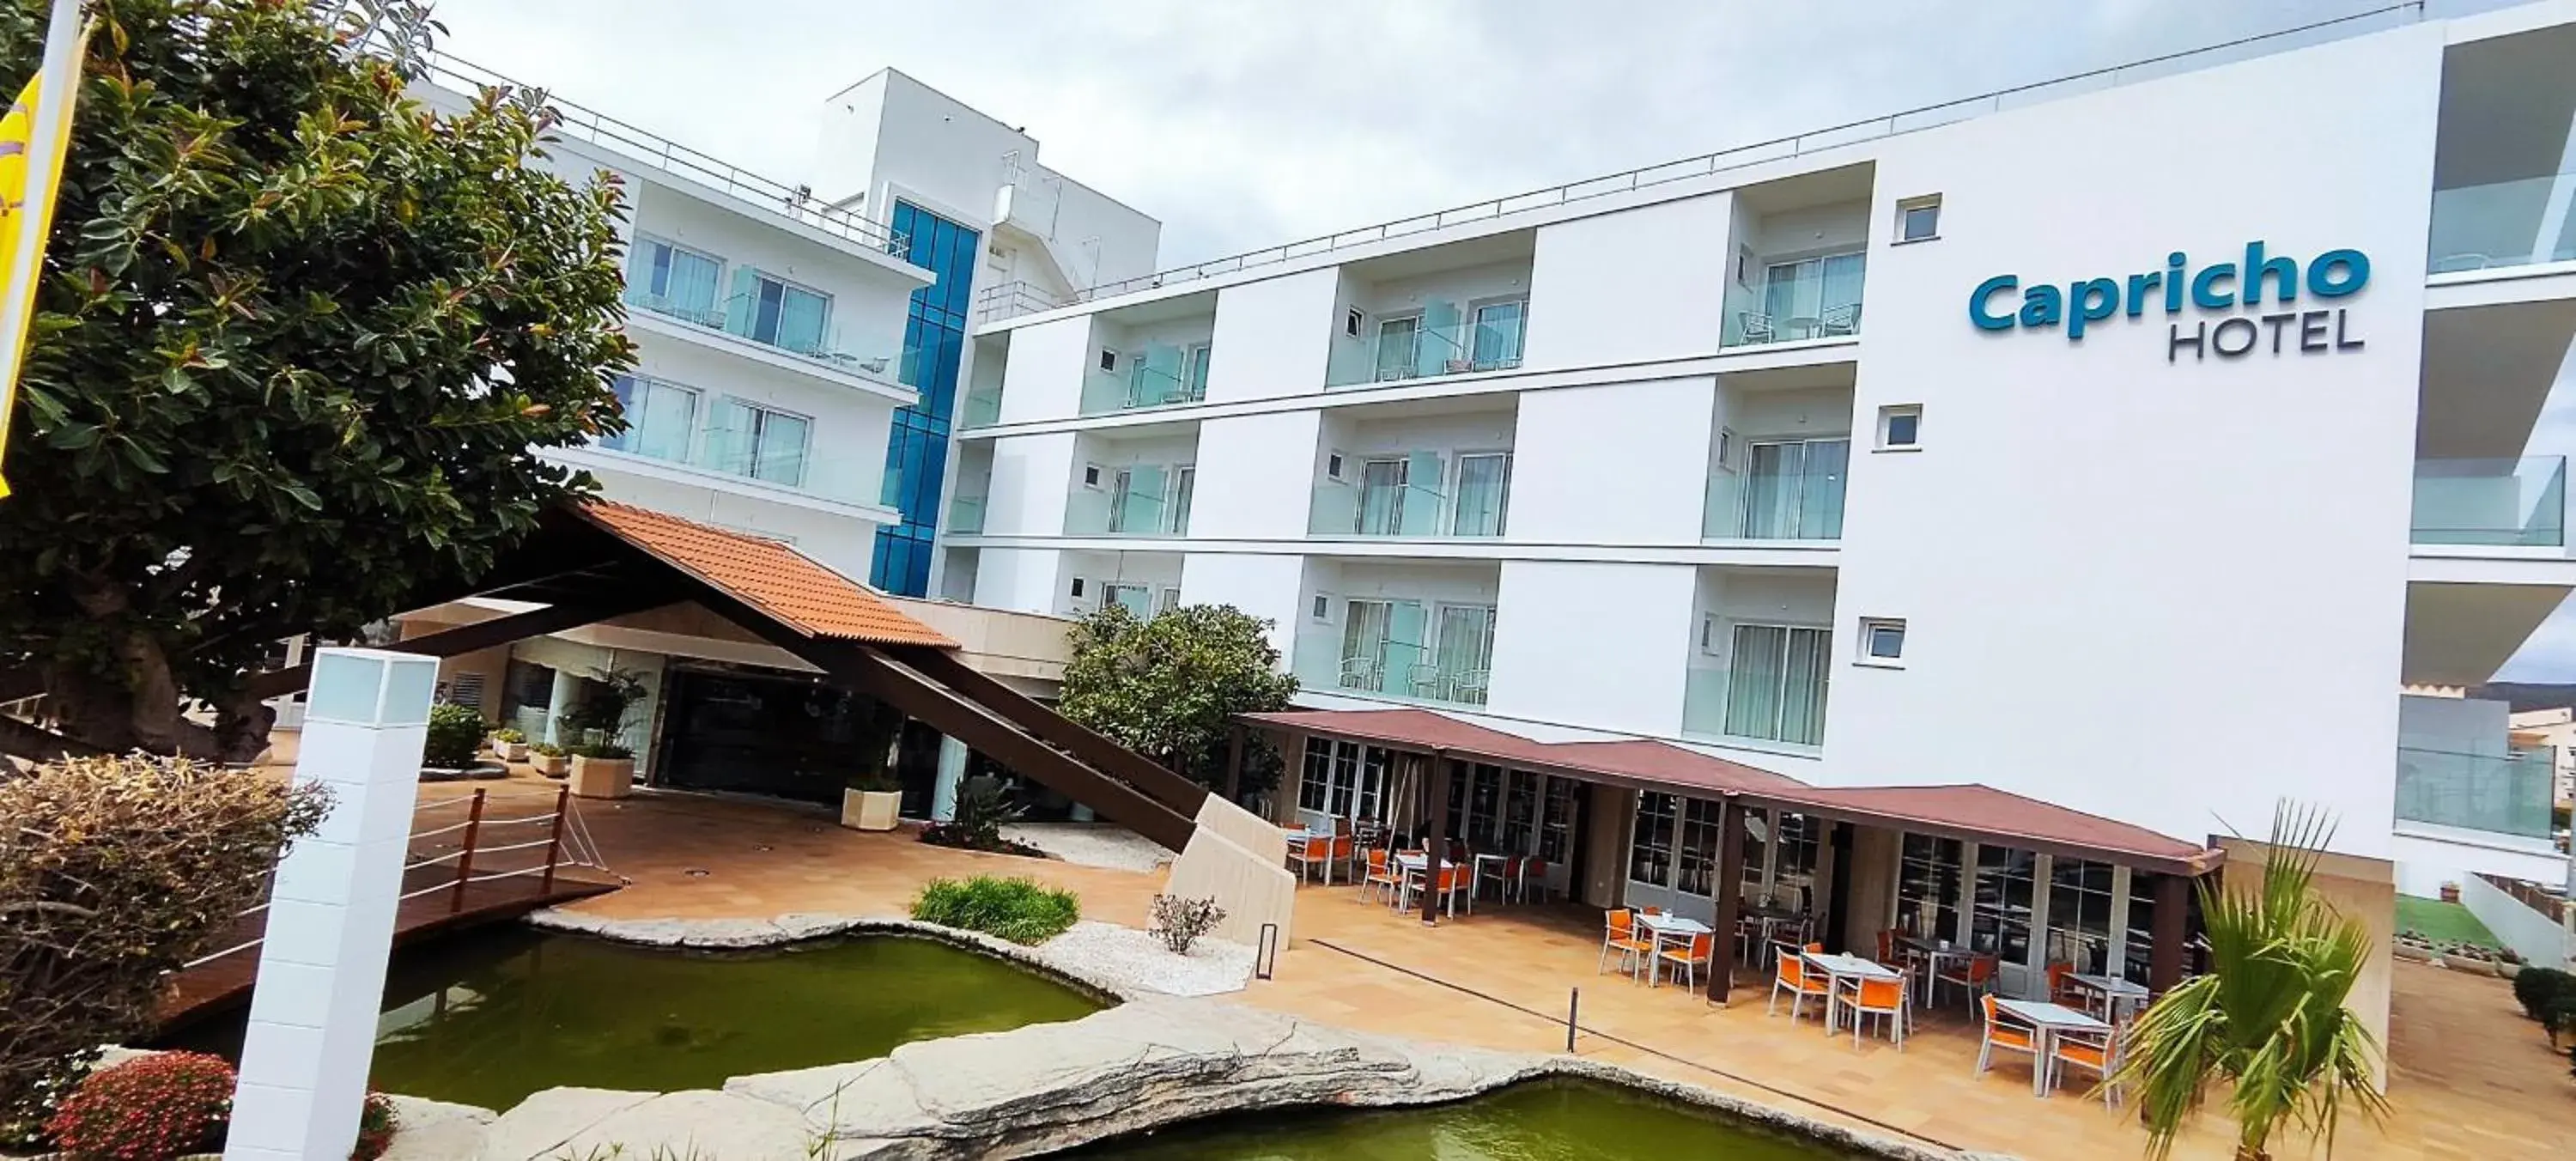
x=1005, y=302
x=793, y=202
x=2506, y=794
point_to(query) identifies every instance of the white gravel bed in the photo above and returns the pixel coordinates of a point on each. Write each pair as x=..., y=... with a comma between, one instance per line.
x=1092, y=844
x=1139, y=960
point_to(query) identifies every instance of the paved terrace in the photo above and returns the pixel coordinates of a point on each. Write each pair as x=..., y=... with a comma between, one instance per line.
x=2471, y=1078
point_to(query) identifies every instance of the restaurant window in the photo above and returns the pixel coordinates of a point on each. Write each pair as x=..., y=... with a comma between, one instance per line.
x=1757, y=839
x=2079, y=914
x=1927, y=887
x=1485, y=809
x=1520, y=810
x=2139, y=949
x=1793, y=877
x=1375, y=764
x=1698, y=853
x=1459, y=776
x=1650, y=855
x=1314, y=788
x=1556, y=830
x=1999, y=920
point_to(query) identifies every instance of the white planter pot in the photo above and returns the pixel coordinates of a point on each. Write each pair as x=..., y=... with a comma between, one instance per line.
x=870, y=809
x=602, y=777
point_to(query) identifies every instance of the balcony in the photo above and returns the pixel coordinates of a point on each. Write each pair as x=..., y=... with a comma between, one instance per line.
x=2518, y=503
x=1155, y=375
x=1815, y=297
x=802, y=333
x=1441, y=338
x=1409, y=650
x=1141, y=500
x=1801, y=251
x=981, y=406
x=1762, y=659
x=1790, y=490
x=1414, y=495
x=2507, y=794
x=966, y=515
x=2504, y=224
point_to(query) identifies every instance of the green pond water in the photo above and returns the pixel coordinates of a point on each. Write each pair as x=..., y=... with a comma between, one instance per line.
x=1543, y=1121
x=488, y=1018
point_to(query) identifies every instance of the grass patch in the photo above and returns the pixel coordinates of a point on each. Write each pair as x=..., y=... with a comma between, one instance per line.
x=2443, y=922
x=1020, y=910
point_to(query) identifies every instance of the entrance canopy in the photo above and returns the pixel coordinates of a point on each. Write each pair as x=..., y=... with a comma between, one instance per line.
x=1969, y=812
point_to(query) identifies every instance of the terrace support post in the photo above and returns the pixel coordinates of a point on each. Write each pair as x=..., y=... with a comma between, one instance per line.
x=465, y=855
x=331, y=912
x=2173, y=910
x=1730, y=899
x=1234, y=764
x=1435, y=844
x=554, y=841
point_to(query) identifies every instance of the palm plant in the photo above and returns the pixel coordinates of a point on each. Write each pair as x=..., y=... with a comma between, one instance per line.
x=2270, y=1019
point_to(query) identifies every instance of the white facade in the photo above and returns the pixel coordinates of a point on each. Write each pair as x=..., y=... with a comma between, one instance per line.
x=1691, y=459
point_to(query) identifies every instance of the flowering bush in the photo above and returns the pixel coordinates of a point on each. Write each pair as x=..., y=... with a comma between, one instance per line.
x=151, y=1108
x=376, y=1125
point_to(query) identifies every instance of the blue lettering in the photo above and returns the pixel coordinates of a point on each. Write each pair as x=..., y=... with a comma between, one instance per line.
x=1977, y=303
x=2204, y=287
x=2041, y=306
x=2283, y=271
x=2094, y=299
x=2325, y=282
x=2139, y=285
x=2173, y=282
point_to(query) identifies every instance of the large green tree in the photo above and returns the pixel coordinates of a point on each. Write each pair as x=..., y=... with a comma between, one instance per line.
x=298, y=337
x=1169, y=688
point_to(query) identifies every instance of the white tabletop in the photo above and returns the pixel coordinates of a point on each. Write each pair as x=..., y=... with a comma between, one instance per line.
x=1668, y=923
x=1851, y=965
x=1415, y=862
x=2110, y=985
x=2048, y=1015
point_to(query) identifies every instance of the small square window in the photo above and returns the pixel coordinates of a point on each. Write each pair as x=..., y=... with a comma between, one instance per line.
x=1091, y=475
x=1918, y=219
x=1108, y=359
x=1323, y=608
x=1900, y=427
x=1882, y=641
x=1352, y=320
x=1333, y=466
x=1077, y=586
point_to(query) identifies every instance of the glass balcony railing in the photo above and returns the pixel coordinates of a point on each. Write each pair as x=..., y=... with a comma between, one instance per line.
x=1384, y=502
x=2517, y=503
x=1704, y=702
x=982, y=407
x=966, y=515
x=1134, y=501
x=1156, y=376
x=1805, y=505
x=2506, y=793
x=1806, y=298
x=743, y=317
x=1400, y=668
x=703, y=313
x=1445, y=339
x=2505, y=223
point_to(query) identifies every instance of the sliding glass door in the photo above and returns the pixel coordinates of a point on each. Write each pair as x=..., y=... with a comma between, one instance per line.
x=1484, y=486
x=1775, y=684
x=1793, y=489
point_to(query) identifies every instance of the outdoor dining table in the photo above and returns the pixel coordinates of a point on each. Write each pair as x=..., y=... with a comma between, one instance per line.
x=1839, y=967
x=2114, y=993
x=2050, y=1019
x=1666, y=925
x=1413, y=863
x=1936, y=954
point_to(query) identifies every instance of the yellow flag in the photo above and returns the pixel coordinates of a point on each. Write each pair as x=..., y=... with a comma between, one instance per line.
x=34, y=136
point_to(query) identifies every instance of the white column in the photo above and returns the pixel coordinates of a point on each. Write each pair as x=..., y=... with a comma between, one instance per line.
x=331, y=913
x=567, y=690
x=952, y=772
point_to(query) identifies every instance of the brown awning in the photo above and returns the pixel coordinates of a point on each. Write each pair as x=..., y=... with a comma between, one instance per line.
x=1970, y=812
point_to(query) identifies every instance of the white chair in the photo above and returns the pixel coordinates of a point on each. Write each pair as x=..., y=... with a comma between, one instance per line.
x=2097, y=1052
x=1758, y=327
x=2005, y=1033
x=1840, y=320
x=1469, y=686
x=1426, y=681
x=1362, y=673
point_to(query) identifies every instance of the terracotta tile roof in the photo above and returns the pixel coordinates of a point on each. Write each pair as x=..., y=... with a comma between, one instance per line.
x=767, y=575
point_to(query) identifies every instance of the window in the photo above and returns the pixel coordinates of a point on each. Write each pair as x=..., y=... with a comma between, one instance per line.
x=1194, y=371
x=1315, y=786
x=1556, y=831
x=674, y=280
x=1814, y=297
x=1077, y=586
x=1108, y=359
x=1171, y=599
x=1091, y=475
x=2079, y=914
x=1793, y=489
x=1882, y=641
x=749, y=440
x=1799, y=840
x=1999, y=917
x=1900, y=427
x=1484, y=488
x=1496, y=344
x=1333, y=466
x=1697, y=851
x=1137, y=599
x=1323, y=608
x=1918, y=219
x=1927, y=887
x=2139, y=954
x=1351, y=322
x=772, y=310
x=661, y=419
x=1381, y=644
x=1463, y=656
x=1744, y=267
x=1520, y=811
x=1382, y=493
x=1775, y=683
x=1398, y=346
x=1650, y=853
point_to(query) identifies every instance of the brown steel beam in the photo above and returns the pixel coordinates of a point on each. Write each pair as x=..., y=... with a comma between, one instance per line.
x=1730, y=899
x=2173, y=910
x=465, y=639
x=1164, y=786
x=1435, y=846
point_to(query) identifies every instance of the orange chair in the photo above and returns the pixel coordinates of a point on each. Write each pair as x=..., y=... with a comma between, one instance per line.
x=2059, y=990
x=1702, y=947
x=1887, y=946
x=2004, y=1032
x=1619, y=933
x=2097, y=1051
x=1454, y=882
x=1791, y=975
x=1977, y=975
x=1381, y=873
x=1881, y=998
x=1533, y=870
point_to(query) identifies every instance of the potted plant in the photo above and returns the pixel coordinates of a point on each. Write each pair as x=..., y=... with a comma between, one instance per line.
x=870, y=802
x=602, y=770
x=454, y=740
x=509, y=745
x=549, y=759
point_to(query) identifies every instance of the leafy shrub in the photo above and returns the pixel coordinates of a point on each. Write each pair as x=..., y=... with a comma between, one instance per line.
x=2559, y=1018
x=377, y=1124
x=1020, y=910
x=1182, y=921
x=876, y=782
x=150, y=1108
x=2537, y=988
x=510, y=735
x=983, y=805
x=602, y=751
x=547, y=749
x=114, y=872
x=455, y=737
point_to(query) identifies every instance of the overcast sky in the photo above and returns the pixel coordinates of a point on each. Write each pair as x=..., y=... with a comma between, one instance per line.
x=1244, y=125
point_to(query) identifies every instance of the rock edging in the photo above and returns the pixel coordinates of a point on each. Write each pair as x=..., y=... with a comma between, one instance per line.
x=745, y=934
